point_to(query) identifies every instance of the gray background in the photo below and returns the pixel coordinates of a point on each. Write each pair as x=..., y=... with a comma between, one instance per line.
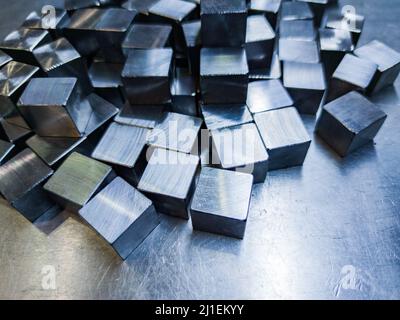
x=305, y=226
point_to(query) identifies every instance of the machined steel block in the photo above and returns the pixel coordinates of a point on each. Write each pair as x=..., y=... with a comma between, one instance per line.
x=297, y=30
x=240, y=148
x=183, y=90
x=176, y=132
x=122, y=216
x=284, y=136
x=223, y=23
x=267, y=95
x=218, y=116
x=334, y=44
x=387, y=59
x=60, y=59
x=124, y=147
x=146, y=76
x=20, y=44
x=274, y=71
x=318, y=8
x=295, y=10
x=192, y=34
x=169, y=181
x=105, y=78
x=299, y=51
x=352, y=74
x=21, y=184
x=227, y=217
x=77, y=180
x=224, y=75
x=102, y=111
x=260, y=39
x=349, y=123
x=270, y=8
x=306, y=84
x=140, y=115
x=4, y=58
x=6, y=151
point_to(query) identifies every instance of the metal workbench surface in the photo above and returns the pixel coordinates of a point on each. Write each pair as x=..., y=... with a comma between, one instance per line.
x=327, y=230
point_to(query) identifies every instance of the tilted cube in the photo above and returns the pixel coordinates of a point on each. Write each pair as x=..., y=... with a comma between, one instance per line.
x=224, y=75
x=176, y=132
x=352, y=74
x=192, y=34
x=21, y=184
x=169, y=181
x=223, y=23
x=260, y=39
x=183, y=89
x=299, y=51
x=77, y=180
x=229, y=216
x=307, y=90
x=349, y=123
x=270, y=8
x=295, y=10
x=140, y=115
x=146, y=76
x=121, y=215
x=297, y=30
x=240, y=148
x=284, y=136
x=387, y=59
x=267, y=95
x=218, y=116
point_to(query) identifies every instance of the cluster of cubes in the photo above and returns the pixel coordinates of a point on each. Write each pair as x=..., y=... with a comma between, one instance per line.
x=121, y=110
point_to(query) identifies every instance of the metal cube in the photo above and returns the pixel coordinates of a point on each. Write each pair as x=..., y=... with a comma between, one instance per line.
x=387, y=59
x=334, y=45
x=122, y=216
x=307, y=90
x=272, y=72
x=140, y=116
x=240, y=148
x=169, y=181
x=352, y=74
x=77, y=180
x=297, y=30
x=146, y=76
x=354, y=23
x=176, y=132
x=13, y=133
x=21, y=180
x=224, y=75
x=295, y=10
x=227, y=217
x=102, y=112
x=260, y=39
x=349, y=123
x=267, y=95
x=284, y=136
x=218, y=116
x=6, y=151
x=20, y=44
x=42, y=21
x=192, y=34
x=184, y=91
x=299, y=51
x=270, y=8
x=223, y=23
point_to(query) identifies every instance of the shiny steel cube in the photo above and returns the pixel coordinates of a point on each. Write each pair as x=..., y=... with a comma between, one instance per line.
x=227, y=217
x=349, y=123
x=146, y=76
x=223, y=75
x=42, y=21
x=121, y=215
x=183, y=89
x=284, y=136
x=306, y=85
x=169, y=181
x=223, y=23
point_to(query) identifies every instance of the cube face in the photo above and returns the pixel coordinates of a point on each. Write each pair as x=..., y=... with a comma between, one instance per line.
x=297, y=30
x=223, y=23
x=174, y=10
x=77, y=179
x=299, y=51
x=284, y=136
x=176, y=132
x=141, y=6
x=272, y=6
x=226, y=217
x=35, y=20
x=169, y=181
x=267, y=95
x=140, y=116
x=126, y=227
x=183, y=90
x=223, y=75
x=296, y=11
x=224, y=116
x=349, y=122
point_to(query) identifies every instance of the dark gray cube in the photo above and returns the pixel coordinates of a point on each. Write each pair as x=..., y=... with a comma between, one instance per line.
x=284, y=136
x=349, y=123
x=183, y=89
x=228, y=217
x=223, y=23
x=192, y=34
x=223, y=75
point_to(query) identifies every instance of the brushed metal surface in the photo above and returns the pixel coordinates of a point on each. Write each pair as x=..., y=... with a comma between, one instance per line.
x=140, y=116
x=121, y=215
x=141, y=6
x=217, y=116
x=295, y=10
x=221, y=202
x=175, y=10
x=101, y=112
x=267, y=95
x=14, y=75
x=265, y=5
x=13, y=133
x=298, y=51
x=297, y=30
x=35, y=20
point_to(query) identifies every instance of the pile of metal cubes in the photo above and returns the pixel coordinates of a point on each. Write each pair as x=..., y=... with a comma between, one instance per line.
x=119, y=111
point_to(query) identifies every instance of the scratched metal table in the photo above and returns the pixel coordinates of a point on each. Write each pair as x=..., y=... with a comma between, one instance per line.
x=329, y=230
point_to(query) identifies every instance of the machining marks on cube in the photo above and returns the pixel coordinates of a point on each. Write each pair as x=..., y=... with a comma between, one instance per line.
x=140, y=116
x=121, y=215
x=169, y=181
x=298, y=51
x=221, y=202
x=146, y=76
x=225, y=115
x=223, y=75
x=349, y=123
x=284, y=136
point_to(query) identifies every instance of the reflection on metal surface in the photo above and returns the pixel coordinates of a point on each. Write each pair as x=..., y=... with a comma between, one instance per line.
x=36, y=20
x=141, y=6
x=295, y=10
x=221, y=202
x=6, y=149
x=217, y=116
x=140, y=116
x=299, y=51
x=183, y=90
x=4, y=58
